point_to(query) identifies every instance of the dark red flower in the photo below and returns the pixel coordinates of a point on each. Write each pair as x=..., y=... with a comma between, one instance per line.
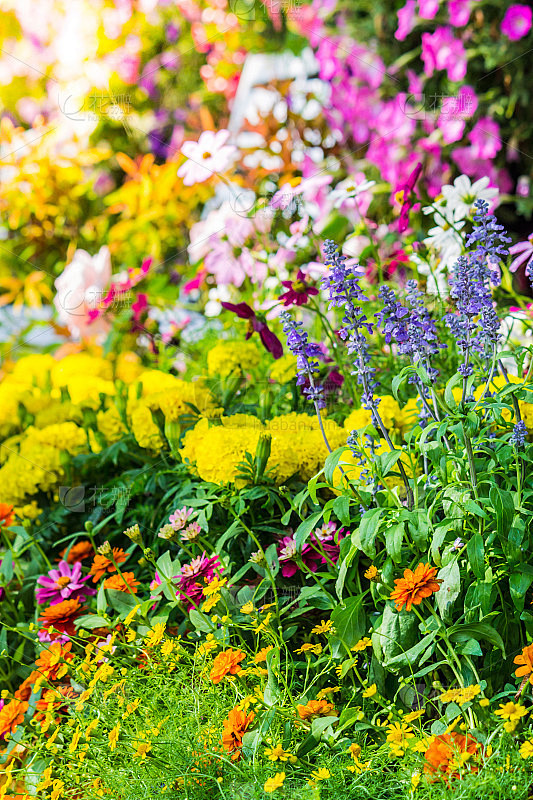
x=404, y=195
x=299, y=291
x=257, y=322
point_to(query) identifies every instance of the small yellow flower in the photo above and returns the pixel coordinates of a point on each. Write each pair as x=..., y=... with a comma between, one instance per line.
x=362, y=644
x=274, y=783
x=354, y=751
x=90, y=728
x=414, y=715
x=321, y=774
x=512, y=713
x=210, y=603
x=262, y=654
x=58, y=788
x=371, y=691
x=526, y=749
x=131, y=635
x=327, y=690
x=371, y=572
x=324, y=627
x=247, y=608
x=214, y=586
x=155, y=636
x=75, y=740
x=142, y=750
x=484, y=702
x=309, y=647
x=277, y=753
x=167, y=647
x=415, y=780
x=113, y=736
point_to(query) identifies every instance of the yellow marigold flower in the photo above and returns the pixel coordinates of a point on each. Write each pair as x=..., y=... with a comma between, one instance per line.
x=226, y=358
x=142, y=750
x=371, y=691
x=512, y=713
x=324, y=627
x=274, y=783
x=214, y=586
x=277, y=753
x=247, y=608
x=362, y=644
x=371, y=572
x=526, y=749
x=113, y=736
x=283, y=370
x=155, y=636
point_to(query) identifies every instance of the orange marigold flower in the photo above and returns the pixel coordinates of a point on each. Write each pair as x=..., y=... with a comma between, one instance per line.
x=103, y=564
x=525, y=659
x=25, y=689
x=124, y=582
x=12, y=715
x=6, y=514
x=52, y=664
x=78, y=552
x=61, y=617
x=315, y=708
x=234, y=728
x=414, y=586
x=226, y=662
x=448, y=753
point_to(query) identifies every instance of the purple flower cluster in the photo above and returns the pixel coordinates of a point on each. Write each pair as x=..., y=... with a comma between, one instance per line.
x=518, y=436
x=344, y=291
x=306, y=352
x=411, y=328
x=475, y=324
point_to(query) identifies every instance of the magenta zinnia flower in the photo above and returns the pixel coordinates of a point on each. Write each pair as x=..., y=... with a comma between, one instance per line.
x=64, y=583
x=194, y=576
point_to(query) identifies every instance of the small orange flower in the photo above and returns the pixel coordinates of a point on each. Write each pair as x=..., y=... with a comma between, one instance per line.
x=102, y=564
x=414, y=586
x=226, y=662
x=52, y=664
x=449, y=752
x=6, y=514
x=11, y=715
x=61, y=617
x=78, y=552
x=315, y=708
x=122, y=583
x=234, y=728
x=525, y=658
x=26, y=687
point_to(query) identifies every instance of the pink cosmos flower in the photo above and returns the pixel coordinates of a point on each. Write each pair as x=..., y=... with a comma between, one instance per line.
x=517, y=22
x=485, y=138
x=441, y=50
x=524, y=254
x=64, y=583
x=208, y=156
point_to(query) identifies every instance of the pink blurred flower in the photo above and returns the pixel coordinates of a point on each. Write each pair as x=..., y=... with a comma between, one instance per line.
x=459, y=12
x=406, y=20
x=524, y=254
x=80, y=289
x=441, y=50
x=517, y=22
x=64, y=583
x=485, y=138
x=455, y=111
x=208, y=156
x=427, y=9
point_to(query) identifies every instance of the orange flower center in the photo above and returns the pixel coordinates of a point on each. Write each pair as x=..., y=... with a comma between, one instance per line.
x=63, y=581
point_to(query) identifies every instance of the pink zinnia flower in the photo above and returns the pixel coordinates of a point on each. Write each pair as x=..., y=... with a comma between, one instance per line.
x=208, y=156
x=517, y=22
x=180, y=517
x=64, y=583
x=194, y=576
x=287, y=553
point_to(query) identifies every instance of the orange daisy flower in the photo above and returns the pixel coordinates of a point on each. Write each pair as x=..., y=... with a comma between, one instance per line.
x=525, y=659
x=61, y=616
x=234, y=728
x=52, y=664
x=102, y=564
x=25, y=689
x=78, y=552
x=315, y=708
x=12, y=715
x=122, y=583
x=448, y=753
x=414, y=586
x=7, y=516
x=226, y=663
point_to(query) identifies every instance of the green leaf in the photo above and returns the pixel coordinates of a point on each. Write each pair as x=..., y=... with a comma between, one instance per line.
x=305, y=529
x=343, y=570
x=502, y=502
x=478, y=630
x=200, y=621
x=410, y=657
x=476, y=555
x=332, y=462
x=341, y=507
x=123, y=602
x=449, y=588
x=272, y=691
x=6, y=568
x=349, y=620
x=368, y=530
x=396, y=633
x=393, y=541
x=319, y=725
x=90, y=621
x=519, y=583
